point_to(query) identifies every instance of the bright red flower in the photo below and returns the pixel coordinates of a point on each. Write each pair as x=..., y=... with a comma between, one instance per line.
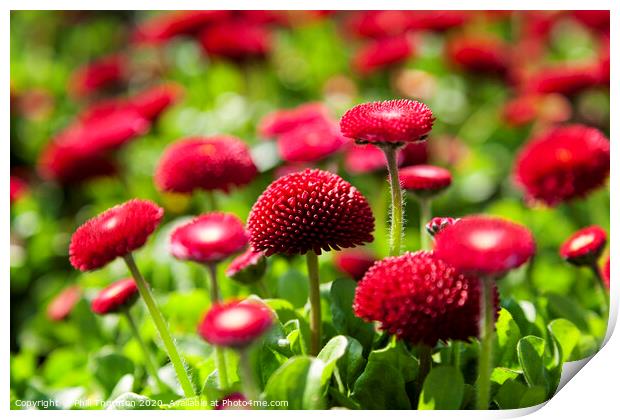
x=310, y=142
x=100, y=74
x=605, y=273
x=380, y=23
x=478, y=55
x=521, y=110
x=414, y=154
x=118, y=296
x=595, y=19
x=425, y=179
x=567, y=79
x=309, y=210
x=73, y=163
x=562, y=164
x=150, y=103
x=437, y=20
x=236, y=40
x=234, y=401
x=207, y=163
x=394, y=121
x=284, y=120
x=113, y=233
x=420, y=299
x=361, y=159
x=354, y=262
x=209, y=238
x=382, y=53
x=18, y=188
x=485, y=246
x=585, y=246
x=165, y=26
x=61, y=306
x=248, y=267
x=437, y=224
x=235, y=324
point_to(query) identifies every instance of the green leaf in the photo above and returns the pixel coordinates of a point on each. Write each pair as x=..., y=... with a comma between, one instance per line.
x=507, y=337
x=509, y=394
x=109, y=368
x=567, y=335
x=442, y=390
x=345, y=322
x=298, y=381
x=293, y=287
x=132, y=401
x=530, y=351
x=533, y=396
x=501, y=375
x=563, y=307
x=350, y=365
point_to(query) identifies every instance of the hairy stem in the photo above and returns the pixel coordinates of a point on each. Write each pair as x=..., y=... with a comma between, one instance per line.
x=487, y=330
x=396, y=226
x=250, y=388
x=312, y=261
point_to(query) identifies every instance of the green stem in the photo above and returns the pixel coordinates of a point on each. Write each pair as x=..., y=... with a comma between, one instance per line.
x=161, y=326
x=220, y=357
x=487, y=330
x=214, y=290
x=600, y=286
x=425, y=359
x=148, y=359
x=250, y=388
x=396, y=227
x=262, y=288
x=211, y=200
x=425, y=216
x=456, y=354
x=312, y=261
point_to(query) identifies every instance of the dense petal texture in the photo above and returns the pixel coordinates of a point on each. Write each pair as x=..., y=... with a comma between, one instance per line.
x=207, y=163
x=486, y=246
x=309, y=210
x=585, y=246
x=563, y=163
x=61, y=306
x=236, y=324
x=354, y=262
x=425, y=179
x=118, y=296
x=113, y=233
x=419, y=298
x=394, y=121
x=209, y=238
x=248, y=267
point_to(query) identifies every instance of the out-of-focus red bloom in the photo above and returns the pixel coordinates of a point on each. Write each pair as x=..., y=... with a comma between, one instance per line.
x=61, y=306
x=525, y=109
x=562, y=164
x=118, y=296
x=567, y=79
x=309, y=210
x=605, y=273
x=18, y=188
x=289, y=168
x=585, y=246
x=113, y=233
x=521, y=110
x=478, y=54
x=248, y=267
x=165, y=26
x=394, y=121
x=379, y=23
x=354, y=262
x=207, y=163
x=437, y=20
x=73, y=164
x=420, y=299
x=236, y=324
x=151, y=102
x=263, y=17
x=414, y=153
x=437, y=224
x=382, y=53
x=234, y=401
x=209, y=238
x=101, y=74
x=595, y=19
x=310, y=142
x=485, y=246
x=281, y=121
x=426, y=180
x=361, y=159
x=236, y=40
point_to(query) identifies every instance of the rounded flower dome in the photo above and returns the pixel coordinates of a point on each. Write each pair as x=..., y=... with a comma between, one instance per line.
x=425, y=180
x=116, y=297
x=585, y=246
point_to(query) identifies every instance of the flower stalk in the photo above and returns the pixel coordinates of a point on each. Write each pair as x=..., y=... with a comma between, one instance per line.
x=397, y=219
x=220, y=357
x=312, y=261
x=487, y=331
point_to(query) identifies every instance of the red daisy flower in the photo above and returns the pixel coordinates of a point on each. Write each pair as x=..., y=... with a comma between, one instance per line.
x=354, y=262
x=562, y=164
x=420, y=299
x=437, y=20
x=413, y=154
x=585, y=246
x=61, y=306
x=361, y=159
x=165, y=26
x=236, y=324
x=382, y=53
x=437, y=224
x=73, y=163
x=150, y=103
x=284, y=120
x=116, y=297
x=309, y=210
x=236, y=40
x=113, y=233
x=485, y=246
x=425, y=180
x=209, y=238
x=207, y=163
x=100, y=74
x=567, y=79
x=248, y=267
x=394, y=121
x=310, y=142
x=478, y=55
x=18, y=188
x=379, y=23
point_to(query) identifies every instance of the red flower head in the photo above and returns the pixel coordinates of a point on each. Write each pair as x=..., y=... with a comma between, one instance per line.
x=478, y=55
x=310, y=142
x=382, y=53
x=61, y=306
x=113, y=233
x=354, y=262
x=166, y=26
x=567, y=79
x=207, y=163
x=282, y=121
x=361, y=159
x=209, y=238
x=413, y=154
x=485, y=246
x=101, y=74
x=394, y=121
x=248, y=267
x=116, y=297
x=309, y=210
x=437, y=224
x=605, y=273
x=380, y=23
x=152, y=102
x=234, y=401
x=594, y=19
x=521, y=110
x=563, y=163
x=437, y=20
x=420, y=299
x=425, y=180
x=73, y=163
x=236, y=40
x=235, y=324
x=585, y=246
x=18, y=188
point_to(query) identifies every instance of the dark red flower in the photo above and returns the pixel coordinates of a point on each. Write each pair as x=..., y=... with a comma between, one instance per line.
x=437, y=224
x=207, y=163
x=248, y=267
x=284, y=120
x=425, y=179
x=209, y=238
x=309, y=210
x=151, y=102
x=595, y=19
x=310, y=142
x=605, y=273
x=113, y=233
x=478, y=55
x=394, y=121
x=73, y=163
x=234, y=401
x=236, y=40
x=18, y=188
x=420, y=299
x=585, y=246
x=485, y=246
x=562, y=164
x=382, y=53
x=100, y=74
x=61, y=306
x=414, y=154
x=165, y=26
x=235, y=324
x=116, y=297
x=567, y=79
x=437, y=20
x=354, y=262
x=361, y=159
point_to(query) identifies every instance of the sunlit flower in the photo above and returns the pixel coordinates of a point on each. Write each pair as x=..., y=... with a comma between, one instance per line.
x=426, y=180
x=117, y=297
x=585, y=246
